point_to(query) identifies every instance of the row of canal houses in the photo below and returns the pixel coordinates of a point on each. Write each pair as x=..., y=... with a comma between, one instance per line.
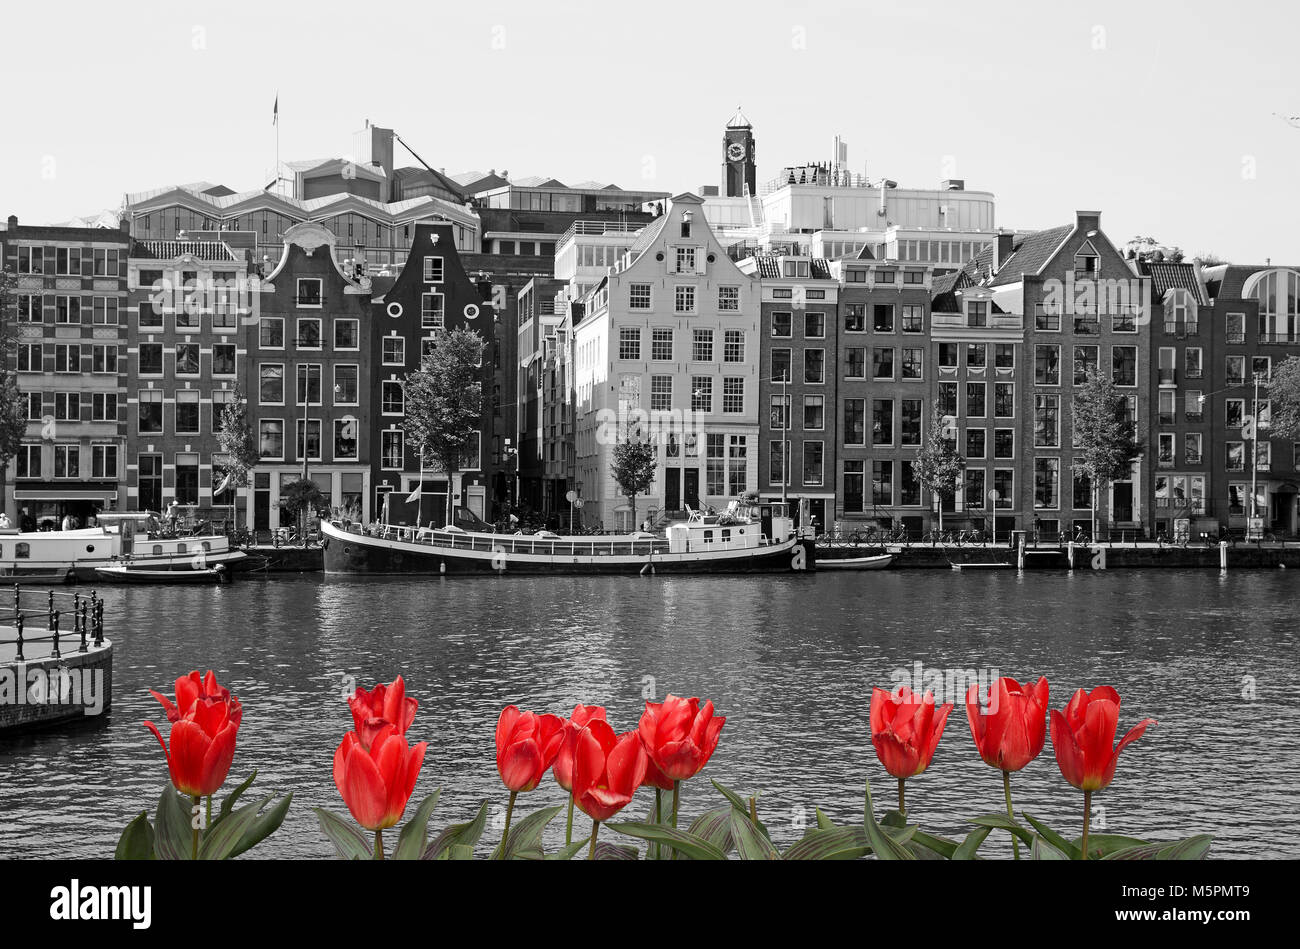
x=758, y=370
x=128, y=351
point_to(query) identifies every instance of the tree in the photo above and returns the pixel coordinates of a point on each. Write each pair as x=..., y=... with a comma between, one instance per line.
x=1105, y=435
x=236, y=440
x=1284, y=397
x=299, y=498
x=938, y=465
x=1209, y=260
x=633, y=465
x=444, y=402
x=13, y=405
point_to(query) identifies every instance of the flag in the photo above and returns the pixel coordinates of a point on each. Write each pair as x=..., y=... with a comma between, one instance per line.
x=275, y=113
x=415, y=495
x=225, y=483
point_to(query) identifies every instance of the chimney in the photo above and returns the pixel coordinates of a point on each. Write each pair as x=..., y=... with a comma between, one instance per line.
x=13, y=221
x=1002, y=250
x=1087, y=221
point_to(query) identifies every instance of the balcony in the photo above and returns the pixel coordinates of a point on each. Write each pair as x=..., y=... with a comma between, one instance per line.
x=600, y=229
x=1280, y=339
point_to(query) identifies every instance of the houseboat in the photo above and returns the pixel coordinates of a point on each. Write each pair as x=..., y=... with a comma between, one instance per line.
x=117, y=538
x=749, y=537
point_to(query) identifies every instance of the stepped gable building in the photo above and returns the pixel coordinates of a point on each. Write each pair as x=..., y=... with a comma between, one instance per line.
x=309, y=396
x=68, y=313
x=186, y=352
x=1256, y=326
x=666, y=349
x=432, y=294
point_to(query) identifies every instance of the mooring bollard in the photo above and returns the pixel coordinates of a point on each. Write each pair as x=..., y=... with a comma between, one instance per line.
x=1069, y=549
x=1020, y=559
x=1223, y=555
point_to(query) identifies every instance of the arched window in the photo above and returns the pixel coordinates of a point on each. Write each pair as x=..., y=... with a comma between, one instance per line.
x=1181, y=312
x=1278, y=293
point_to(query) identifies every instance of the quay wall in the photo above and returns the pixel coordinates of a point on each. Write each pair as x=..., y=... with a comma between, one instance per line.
x=268, y=559
x=1118, y=557
x=25, y=706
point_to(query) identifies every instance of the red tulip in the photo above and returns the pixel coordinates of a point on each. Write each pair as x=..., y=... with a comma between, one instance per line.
x=1083, y=736
x=607, y=770
x=376, y=779
x=905, y=730
x=1010, y=732
x=654, y=778
x=202, y=736
x=563, y=766
x=387, y=702
x=527, y=744
x=188, y=690
x=679, y=736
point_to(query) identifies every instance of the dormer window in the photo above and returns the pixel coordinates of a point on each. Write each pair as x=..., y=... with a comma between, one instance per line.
x=686, y=260
x=977, y=313
x=1087, y=262
x=796, y=268
x=686, y=224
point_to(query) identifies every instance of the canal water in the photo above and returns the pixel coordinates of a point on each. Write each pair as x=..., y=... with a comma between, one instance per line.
x=790, y=661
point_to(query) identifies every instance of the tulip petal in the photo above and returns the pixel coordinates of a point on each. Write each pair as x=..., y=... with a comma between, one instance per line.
x=363, y=789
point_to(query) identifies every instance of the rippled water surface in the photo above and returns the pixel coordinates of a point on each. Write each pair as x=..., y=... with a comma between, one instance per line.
x=789, y=661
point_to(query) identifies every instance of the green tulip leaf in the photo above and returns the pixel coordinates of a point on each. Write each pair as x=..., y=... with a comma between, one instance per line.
x=1045, y=850
x=751, y=843
x=715, y=827
x=264, y=826
x=526, y=835
x=885, y=846
x=415, y=833
x=458, y=834
x=568, y=851
x=1003, y=822
x=1099, y=845
x=348, y=841
x=228, y=802
x=1052, y=837
x=941, y=847
x=893, y=819
x=608, y=851
x=830, y=843
x=736, y=800
x=823, y=822
x=688, y=844
x=457, y=852
x=1141, y=852
x=136, y=842
x=222, y=839
x=1193, y=848
x=173, y=834
x=967, y=848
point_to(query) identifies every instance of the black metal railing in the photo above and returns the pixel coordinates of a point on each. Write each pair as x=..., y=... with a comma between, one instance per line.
x=87, y=621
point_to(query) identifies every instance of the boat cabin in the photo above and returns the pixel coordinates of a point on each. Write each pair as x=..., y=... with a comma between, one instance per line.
x=746, y=523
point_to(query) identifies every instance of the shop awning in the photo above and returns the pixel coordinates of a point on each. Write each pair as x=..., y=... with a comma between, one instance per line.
x=65, y=494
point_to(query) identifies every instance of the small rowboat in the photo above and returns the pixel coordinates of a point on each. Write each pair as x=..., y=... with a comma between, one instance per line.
x=981, y=566
x=876, y=562
x=122, y=573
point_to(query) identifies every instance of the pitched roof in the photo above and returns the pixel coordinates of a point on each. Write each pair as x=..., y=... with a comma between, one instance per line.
x=1166, y=275
x=738, y=121
x=647, y=236
x=1030, y=254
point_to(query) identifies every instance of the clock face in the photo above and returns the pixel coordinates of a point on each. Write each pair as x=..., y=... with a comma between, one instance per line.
x=735, y=151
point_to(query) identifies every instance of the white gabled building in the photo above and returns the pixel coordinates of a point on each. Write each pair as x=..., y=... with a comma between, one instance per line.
x=667, y=346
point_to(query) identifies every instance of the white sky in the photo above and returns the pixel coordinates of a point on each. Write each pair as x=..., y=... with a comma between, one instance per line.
x=1159, y=114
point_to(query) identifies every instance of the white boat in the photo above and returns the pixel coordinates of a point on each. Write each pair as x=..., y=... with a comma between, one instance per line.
x=37, y=556
x=874, y=562
x=750, y=537
x=131, y=573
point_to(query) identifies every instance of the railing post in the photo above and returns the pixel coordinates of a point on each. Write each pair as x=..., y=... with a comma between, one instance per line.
x=99, y=623
x=18, y=623
x=84, y=646
x=55, y=630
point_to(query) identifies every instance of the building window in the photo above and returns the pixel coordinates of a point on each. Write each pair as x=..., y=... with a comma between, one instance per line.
x=1085, y=362
x=883, y=317
x=1235, y=372
x=29, y=461
x=702, y=346
x=393, y=349
x=912, y=360
x=150, y=404
x=67, y=406
x=780, y=412
x=781, y=365
x=854, y=476
x=347, y=334
x=973, y=489
x=882, y=483
x=309, y=292
x=977, y=313
x=812, y=463
x=814, y=325
x=948, y=355
x=271, y=332
x=220, y=399
x=855, y=362
x=913, y=318
x=105, y=311
x=1124, y=365
x=909, y=486
x=67, y=309
x=391, y=450
x=976, y=443
x=814, y=366
x=855, y=318
x=347, y=388
x=309, y=334
x=855, y=421
x=948, y=398
x=661, y=344
x=975, y=407
x=882, y=421
x=67, y=358
x=909, y=416
x=103, y=407
x=661, y=393
x=733, y=395
x=715, y=464
x=271, y=389
x=345, y=439
x=639, y=296
x=976, y=356
x=433, y=270
x=1004, y=355
x=311, y=432
x=1047, y=484
x=685, y=260
x=392, y=397
x=629, y=342
x=781, y=325
x=814, y=413
x=1004, y=483
x=1047, y=421
x=1047, y=365
x=1004, y=400
x=733, y=347
x=270, y=439
x=702, y=394
x=882, y=362
x=432, y=311
x=67, y=461
x=684, y=299
x=1004, y=443
x=187, y=412
x=30, y=308
x=728, y=299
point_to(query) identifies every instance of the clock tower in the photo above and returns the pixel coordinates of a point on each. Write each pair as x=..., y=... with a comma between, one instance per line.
x=738, y=165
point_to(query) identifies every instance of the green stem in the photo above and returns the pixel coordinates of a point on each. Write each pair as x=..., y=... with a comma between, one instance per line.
x=753, y=810
x=568, y=828
x=208, y=822
x=379, y=845
x=501, y=847
x=194, y=842
x=677, y=785
x=1087, y=818
x=1006, y=790
x=902, y=806
x=659, y=817
x=591, y=851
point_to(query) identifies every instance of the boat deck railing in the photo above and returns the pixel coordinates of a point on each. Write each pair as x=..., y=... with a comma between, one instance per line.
x=70, y=619
x=595, y=546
